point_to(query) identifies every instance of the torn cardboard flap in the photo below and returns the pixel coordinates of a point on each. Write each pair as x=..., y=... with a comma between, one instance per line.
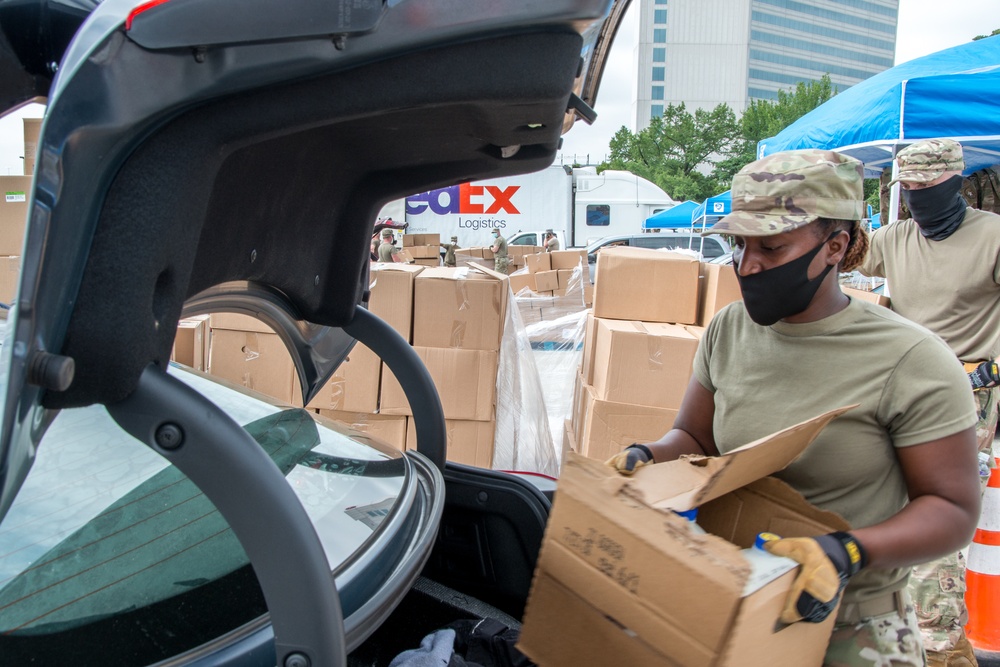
x=692, y=481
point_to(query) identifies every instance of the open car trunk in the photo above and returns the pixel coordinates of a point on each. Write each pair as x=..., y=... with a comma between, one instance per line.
x=232, y=155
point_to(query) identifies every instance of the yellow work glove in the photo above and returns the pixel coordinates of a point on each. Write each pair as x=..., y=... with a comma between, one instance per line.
x=827, y=562
x=630, y=458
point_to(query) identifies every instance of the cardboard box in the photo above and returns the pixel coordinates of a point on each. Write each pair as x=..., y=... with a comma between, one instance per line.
x=463, y=308
x=392, y=295
x=355, y=384
x=403, y=256
x=568, y=259
x=622, y=580
x=577, y=407
x=425, y=252
x=697, y=332
x=10, y=270
x=643, y=363
x=468, y=442
x=191, y=342
x=523, y=250
x=237, y=322
x=605, y=427
x=589, y=346
x=15, y=191
x=258, y=361
x=520, y=281
x=32, y=131
x=565, y=276
x=718, y=287
x=547, y=281
x=415, y=240
x=646, y=285
x=388, y=429
x=480, y=252
x=569, y=441
x=465, y=380
x=866, y=296
x=427, y=262
x=539, y=262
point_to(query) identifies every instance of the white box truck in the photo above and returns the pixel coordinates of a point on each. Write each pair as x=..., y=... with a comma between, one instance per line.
x=580, y=205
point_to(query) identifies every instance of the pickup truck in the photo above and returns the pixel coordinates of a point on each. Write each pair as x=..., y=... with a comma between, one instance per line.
x=537, y=238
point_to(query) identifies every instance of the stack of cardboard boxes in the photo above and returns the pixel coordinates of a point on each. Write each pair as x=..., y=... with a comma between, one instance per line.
x=422, y=249
x=14, y=213
x=455, y=320
x=478, y=256
x=650, y=310
x=552, y=285
x=518, y=255
x=458, y=324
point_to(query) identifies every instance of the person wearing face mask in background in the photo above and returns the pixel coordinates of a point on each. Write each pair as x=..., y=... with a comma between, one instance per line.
x=900, y=467
x=943, y=271
x=501, y=262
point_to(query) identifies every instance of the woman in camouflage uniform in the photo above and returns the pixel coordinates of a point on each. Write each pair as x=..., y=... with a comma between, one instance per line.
x=900, y=466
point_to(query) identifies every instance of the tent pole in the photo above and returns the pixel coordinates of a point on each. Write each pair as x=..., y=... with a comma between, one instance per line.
x=894, y=190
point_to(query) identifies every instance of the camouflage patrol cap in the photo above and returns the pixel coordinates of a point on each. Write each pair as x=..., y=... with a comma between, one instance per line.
x=788, y=190
x=454, y=238
x=926, y=160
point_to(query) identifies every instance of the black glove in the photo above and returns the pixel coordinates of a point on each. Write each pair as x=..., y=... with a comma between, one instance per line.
x=985, y=375
x=827, y=562
x=630, y=458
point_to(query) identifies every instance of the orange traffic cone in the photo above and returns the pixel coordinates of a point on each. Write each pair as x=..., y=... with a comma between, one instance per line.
x=982, y=576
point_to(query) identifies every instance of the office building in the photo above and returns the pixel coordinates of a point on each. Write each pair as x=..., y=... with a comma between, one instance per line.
x=706, y=52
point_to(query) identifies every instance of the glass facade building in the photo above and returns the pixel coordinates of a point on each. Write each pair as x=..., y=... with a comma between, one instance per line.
x=707, y=52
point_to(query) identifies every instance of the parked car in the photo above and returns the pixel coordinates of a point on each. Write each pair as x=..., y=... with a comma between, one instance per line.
x=201, y=156
x=709, y=247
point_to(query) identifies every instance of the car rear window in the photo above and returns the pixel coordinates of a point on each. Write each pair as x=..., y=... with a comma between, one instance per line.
x=113, y=556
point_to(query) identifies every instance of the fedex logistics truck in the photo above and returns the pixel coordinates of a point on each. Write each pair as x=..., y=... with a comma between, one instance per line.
x=580, y=205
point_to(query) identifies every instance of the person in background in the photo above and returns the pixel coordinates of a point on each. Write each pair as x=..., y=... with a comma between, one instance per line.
x=387, y=251
x=449, y=251
x=501, y=262
x=551, y=241
x=943, y=271
x=900, y=467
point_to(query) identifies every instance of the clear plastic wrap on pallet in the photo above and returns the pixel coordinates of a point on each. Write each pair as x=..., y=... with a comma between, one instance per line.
x=554, y=332
x=523, y=440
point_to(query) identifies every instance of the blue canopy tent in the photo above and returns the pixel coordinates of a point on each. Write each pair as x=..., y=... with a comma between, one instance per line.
x=672, y=218
x=712, y=209
x=951, y=93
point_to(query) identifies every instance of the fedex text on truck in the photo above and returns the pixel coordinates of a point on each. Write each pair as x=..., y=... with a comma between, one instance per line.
x=468, y=201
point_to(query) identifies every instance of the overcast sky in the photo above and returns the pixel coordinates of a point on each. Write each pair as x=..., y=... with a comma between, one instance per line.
x=925, y=26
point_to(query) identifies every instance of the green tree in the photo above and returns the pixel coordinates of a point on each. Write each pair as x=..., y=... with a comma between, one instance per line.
x=766, y=118
x=678, y=150
x=978, y=37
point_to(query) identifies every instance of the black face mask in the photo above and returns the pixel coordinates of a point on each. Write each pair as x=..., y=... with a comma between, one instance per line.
x=783, y=291
x=937, y=210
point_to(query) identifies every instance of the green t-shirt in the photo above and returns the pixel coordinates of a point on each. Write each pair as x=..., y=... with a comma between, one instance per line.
x=499, y=247
x=952, y=287
x=910, y=388
x=386, y=251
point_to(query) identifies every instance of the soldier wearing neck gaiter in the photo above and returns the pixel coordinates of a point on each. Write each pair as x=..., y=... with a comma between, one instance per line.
x=943, y=271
